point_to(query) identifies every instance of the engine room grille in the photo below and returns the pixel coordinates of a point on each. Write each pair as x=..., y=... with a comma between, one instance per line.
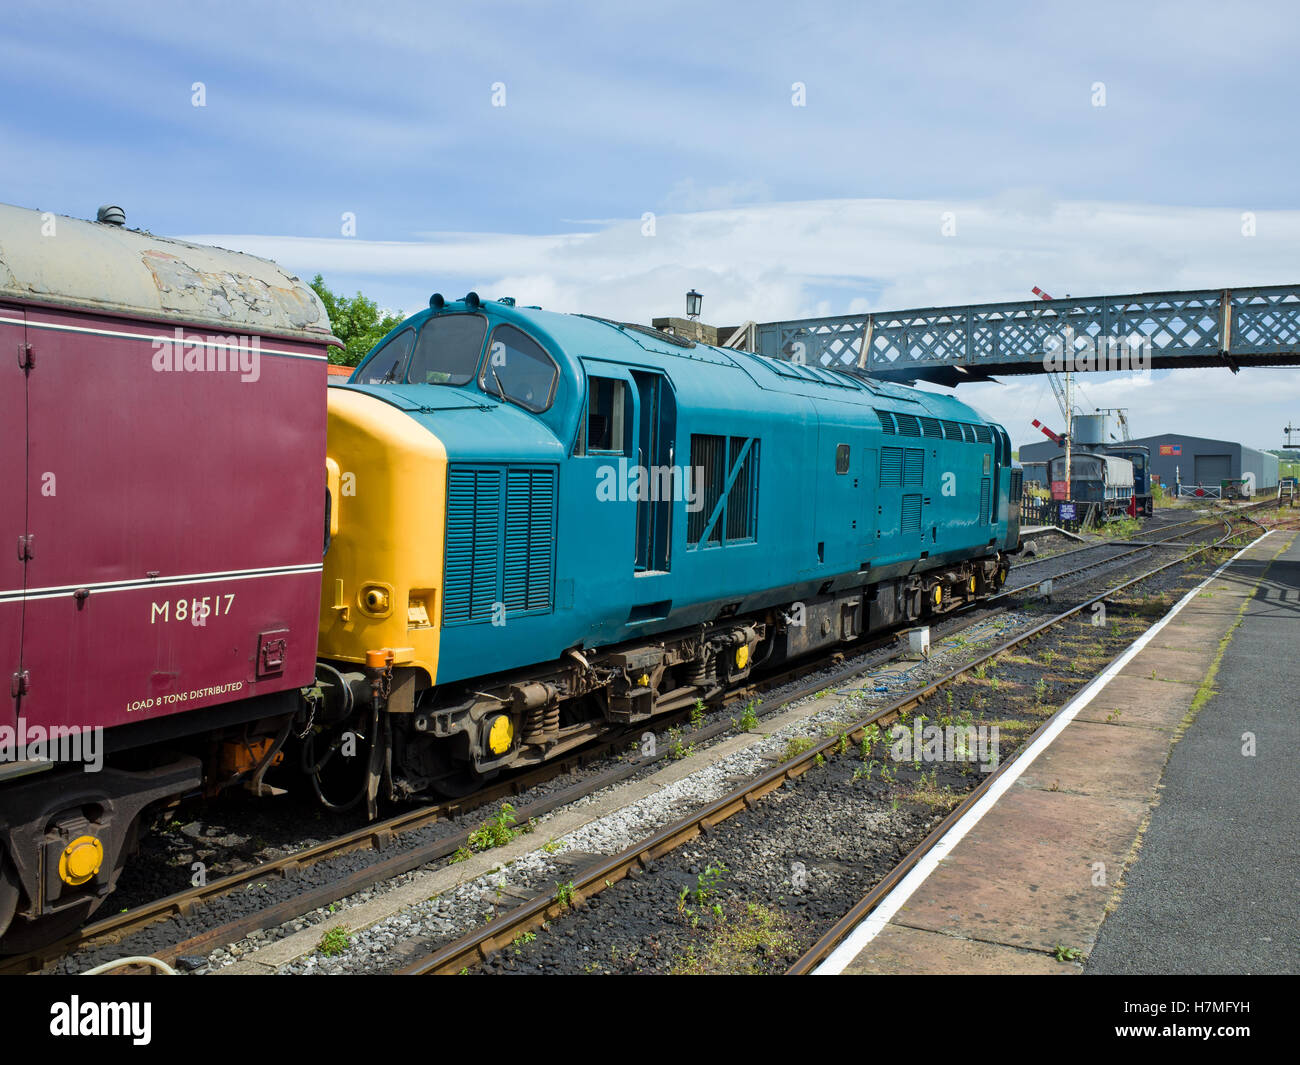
x=914, y=467
x=910, y=521
x=891, y=467
x=717, y=457
x=530, y=539
x=500, y=541
x=984, y=501
x=908, y=425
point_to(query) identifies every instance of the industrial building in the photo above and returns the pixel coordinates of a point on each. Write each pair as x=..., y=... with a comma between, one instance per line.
x=1175, y=457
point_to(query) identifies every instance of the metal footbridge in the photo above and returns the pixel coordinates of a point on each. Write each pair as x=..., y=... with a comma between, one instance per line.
x=951, y=345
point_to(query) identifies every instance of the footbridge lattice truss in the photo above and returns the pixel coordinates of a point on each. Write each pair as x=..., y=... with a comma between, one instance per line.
x=950, y=345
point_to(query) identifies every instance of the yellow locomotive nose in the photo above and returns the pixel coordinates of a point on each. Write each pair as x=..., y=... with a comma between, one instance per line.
x=385, y=562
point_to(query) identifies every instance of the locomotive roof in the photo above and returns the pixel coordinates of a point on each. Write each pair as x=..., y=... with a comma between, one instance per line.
x=70, y=262
x=581, y=335
x=1113, y=463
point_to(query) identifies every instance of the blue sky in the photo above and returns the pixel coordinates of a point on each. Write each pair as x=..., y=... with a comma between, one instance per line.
x=686, y=111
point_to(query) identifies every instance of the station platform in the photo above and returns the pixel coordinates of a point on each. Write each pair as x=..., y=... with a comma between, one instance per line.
x=1150, y=829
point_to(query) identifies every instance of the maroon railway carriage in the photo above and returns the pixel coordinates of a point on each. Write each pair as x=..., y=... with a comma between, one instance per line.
x=162, y=433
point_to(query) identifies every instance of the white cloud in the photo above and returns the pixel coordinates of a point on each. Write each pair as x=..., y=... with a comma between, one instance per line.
x=774, y=261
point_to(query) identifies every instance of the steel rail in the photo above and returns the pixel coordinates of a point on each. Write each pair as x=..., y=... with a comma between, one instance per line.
x=484, y=941
x=381, y=835
x=823, y=947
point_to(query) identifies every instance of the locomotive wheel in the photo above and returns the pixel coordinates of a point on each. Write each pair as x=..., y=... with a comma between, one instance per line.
x=431, y=767
x=455, y=779
x=914, y=604
x=457, y=783
x=10, y=891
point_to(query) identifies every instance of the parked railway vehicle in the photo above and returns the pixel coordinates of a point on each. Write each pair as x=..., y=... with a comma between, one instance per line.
x=632, y=521
x=1143, y=504
x=163, y=424
x=1035, y=473
x=535, y=527
x=1097, y=477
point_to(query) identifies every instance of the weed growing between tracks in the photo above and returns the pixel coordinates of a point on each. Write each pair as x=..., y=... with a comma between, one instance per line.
x=759, y=888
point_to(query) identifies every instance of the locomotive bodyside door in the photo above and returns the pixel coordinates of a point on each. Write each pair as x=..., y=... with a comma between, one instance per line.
x=13, y=505
x=656, y=444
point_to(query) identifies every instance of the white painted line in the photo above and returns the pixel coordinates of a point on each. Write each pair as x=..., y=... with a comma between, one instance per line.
x=54, y=592
x=60, y=328
x=857, y=940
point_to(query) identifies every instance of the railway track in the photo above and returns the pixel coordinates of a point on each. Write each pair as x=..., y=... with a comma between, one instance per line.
x=386, y=835
x=382, y=835
x=1127, y=548
x=820, y=950
x=488, y=939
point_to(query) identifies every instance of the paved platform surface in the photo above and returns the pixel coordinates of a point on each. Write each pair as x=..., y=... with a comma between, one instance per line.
x=1216, y=888
x=1203, y=839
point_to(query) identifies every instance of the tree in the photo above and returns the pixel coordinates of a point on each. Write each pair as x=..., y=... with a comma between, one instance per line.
x=356, y=321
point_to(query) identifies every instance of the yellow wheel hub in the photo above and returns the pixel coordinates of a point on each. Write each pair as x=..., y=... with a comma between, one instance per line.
x=971, y=584
x=502, y=734
x=938, y=595
x=742, y=656
x=81, y=860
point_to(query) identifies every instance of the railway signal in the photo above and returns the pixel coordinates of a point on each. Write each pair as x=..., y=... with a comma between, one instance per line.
x=1064, y=401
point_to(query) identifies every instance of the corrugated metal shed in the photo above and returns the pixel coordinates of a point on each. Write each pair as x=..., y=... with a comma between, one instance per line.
x=69, y=262
x=1178, y=457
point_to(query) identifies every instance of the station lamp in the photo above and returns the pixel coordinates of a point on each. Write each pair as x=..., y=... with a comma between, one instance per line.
x=693, y=301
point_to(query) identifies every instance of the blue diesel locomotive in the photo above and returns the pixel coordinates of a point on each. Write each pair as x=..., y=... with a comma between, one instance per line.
x=547, y=524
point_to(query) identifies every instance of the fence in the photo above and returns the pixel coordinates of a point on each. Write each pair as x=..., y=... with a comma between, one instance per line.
x=1034, y=510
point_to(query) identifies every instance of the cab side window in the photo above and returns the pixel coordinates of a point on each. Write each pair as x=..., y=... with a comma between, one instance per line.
x=519, y=370
x=606, y=403
x=388, y=365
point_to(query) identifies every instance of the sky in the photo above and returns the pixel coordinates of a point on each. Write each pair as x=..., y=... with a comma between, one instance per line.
x=785, y=160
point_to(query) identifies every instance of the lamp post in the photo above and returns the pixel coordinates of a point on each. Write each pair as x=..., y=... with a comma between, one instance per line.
x=693, y=301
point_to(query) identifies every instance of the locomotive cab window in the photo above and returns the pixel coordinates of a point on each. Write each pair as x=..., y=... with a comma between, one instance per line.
x=519, y=370
x=388, y=367
x=606, y=402
x=842, y=458
x=448, y=350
